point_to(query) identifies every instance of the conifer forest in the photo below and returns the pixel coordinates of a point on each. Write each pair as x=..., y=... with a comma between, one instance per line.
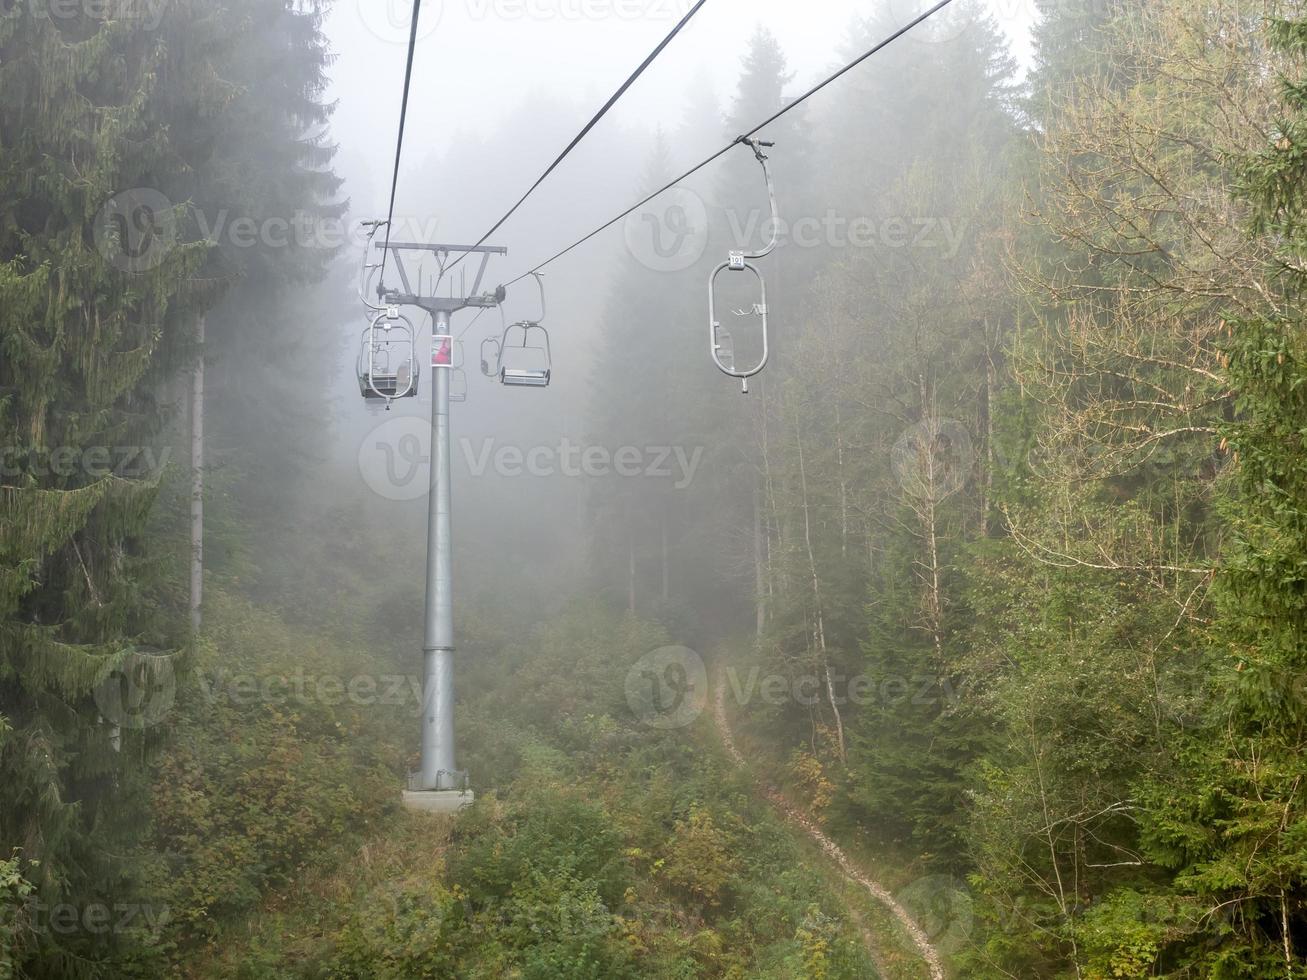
x=600, y=489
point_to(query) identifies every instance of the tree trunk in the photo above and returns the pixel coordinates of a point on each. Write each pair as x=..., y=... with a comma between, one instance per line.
x=844, y=487
x=927, y=511
x=197, y=483
x=759, y=571
x=630, y=574
x=987, y=480
x=819, y=628
x=667, y=584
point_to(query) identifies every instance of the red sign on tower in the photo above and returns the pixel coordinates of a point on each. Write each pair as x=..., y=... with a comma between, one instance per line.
x=442, y=354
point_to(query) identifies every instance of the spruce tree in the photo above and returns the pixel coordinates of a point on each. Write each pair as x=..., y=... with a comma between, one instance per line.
x=89, y=275
x=117, y=133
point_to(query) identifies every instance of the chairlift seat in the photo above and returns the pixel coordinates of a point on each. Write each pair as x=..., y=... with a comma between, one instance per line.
x=387, y=386
x=525, y=377
x=523, y=366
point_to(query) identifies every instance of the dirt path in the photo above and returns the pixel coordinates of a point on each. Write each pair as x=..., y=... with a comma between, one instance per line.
x=801, y=820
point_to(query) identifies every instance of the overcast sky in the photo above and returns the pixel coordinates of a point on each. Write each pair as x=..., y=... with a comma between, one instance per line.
x=499, y=88
x=477, y=60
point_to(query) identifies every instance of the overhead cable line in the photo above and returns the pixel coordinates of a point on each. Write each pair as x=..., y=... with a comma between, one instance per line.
x=472, y=323
x=594, y=121
x=399, y=143
x=744, y=138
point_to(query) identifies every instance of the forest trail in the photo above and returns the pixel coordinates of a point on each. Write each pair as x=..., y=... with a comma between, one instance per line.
x=802, y=821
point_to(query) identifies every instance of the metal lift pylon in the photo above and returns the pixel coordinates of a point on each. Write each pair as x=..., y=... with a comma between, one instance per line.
x=439, y=785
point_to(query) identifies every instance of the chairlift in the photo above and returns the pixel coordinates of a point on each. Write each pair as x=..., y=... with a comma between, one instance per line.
x=521, y=356
x=720, y=343
x=387, y=361
x=458, y=385
x=522, y=365
x=490, y=357
x=457, y=376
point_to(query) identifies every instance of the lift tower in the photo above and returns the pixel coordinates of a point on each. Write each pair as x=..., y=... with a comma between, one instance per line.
x=439, y=784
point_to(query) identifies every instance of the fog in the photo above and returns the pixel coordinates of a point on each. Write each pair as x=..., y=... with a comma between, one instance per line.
x=498, y=88
x=876, y=553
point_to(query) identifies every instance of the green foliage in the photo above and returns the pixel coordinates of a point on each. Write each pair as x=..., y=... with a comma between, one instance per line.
x=1124, y=935
x=120, y=132
x=261, y=774
x=401, y=930
x=698, y=858
x=554, y=837
x=83, y=348
x=1232, y=825
x=638, y=856
x=15, y=892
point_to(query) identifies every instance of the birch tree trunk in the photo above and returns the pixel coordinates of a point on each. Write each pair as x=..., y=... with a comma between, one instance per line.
x=630, y=573
x=197, y=483
x=844, y=487
x=926, y=508
x=759, y=570
x=819, y=628
x=987, y=480
x=667, y=583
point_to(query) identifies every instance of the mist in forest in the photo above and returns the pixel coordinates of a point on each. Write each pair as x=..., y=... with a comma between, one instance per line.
x=480, y=128
x=877, y=507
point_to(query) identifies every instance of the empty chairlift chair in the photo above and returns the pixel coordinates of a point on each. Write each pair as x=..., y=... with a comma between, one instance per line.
x=521, y=357
x=523, y=365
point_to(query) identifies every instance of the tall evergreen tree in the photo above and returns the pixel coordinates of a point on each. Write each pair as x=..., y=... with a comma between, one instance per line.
x=117, y=135
x=89, y=286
